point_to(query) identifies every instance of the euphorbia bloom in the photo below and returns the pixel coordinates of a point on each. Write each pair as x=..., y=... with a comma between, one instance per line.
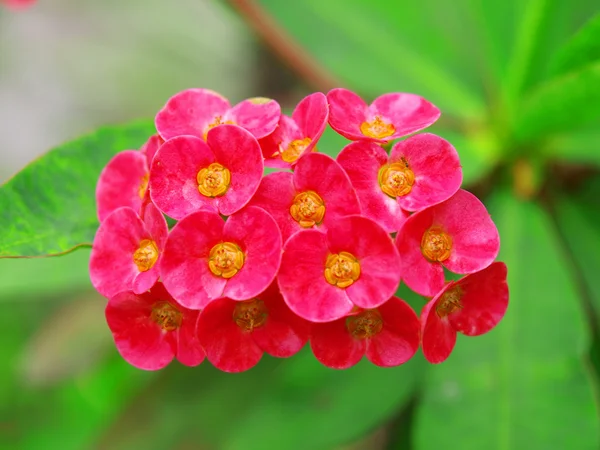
x=235, y=334
x=472, y=306
x=296, y=135
x=315, y=195
x=420, y=171
x=389, y=117
x=457, y=234
x=150, y=329
x=127, y=250
x=196, y=111
x=324, y=275
x=207, y=258
x=221, y=174
x=387, y=335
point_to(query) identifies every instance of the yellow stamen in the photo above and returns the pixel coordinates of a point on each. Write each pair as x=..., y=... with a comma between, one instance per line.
x=342, y=269
x=366, y=324
x=146, y=255
x=250, y=314
x=295, y=149
x=396, y=179
x=218, y=120
x=308, y=209
x=225, y=259
x=377, y=128
x=143, y=186
x=166, y=316
x=450, y=302
x=214, y=180
x=436, y=244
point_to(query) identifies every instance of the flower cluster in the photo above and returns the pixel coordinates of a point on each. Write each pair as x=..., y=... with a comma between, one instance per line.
x=313, y=252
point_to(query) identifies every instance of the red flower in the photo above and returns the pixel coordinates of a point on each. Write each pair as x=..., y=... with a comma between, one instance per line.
x=421, y=171
x=472, y=306
x=196, y=111
x=207, y=258
x=316, y=194
x=236, y=333
x=389, y=117
x=296, y=135
x=17, y=4
x=457, y=234
x=221, y=174
x=152, y=328
x=127, y=250
x=387, y=335
x=324, y=275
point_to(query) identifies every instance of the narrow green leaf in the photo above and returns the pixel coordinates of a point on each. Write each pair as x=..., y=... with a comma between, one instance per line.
x=49, y=207
x=582, y=49
x=580, y=147
x=523, y=385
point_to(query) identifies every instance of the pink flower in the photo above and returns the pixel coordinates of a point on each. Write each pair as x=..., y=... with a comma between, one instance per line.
x=151, y=329
x=389, y=117
x=457, y=234
x=17, y=4
x=221, y=174
x=207, y=258
x=127, y=250
x=196, y=111
x=387, y=335
x=324, y=275
x=316, y=194
x=296, y=135
x=235, y=334
x=421, y=171
x=472, y=306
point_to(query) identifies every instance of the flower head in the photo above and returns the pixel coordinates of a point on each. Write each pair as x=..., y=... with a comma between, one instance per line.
x=457, y=234
x=472, y=306
x=389, y=117
x=127, y=250
x=236, y=333
x=324, y=275
x=196, y=111
x=421, y=171
x=313, y=196
x=221, y=174
x=207, y=258
x=296, y=135
x=151, y=328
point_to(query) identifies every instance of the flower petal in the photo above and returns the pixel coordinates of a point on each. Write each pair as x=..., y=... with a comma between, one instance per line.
x=408, y=112
x=334, y=346
x=259, y=116
x=189, y=351
x=273, y=144
x=151, y=147
x=347, y=112
x=437, y=335
x=311, y=115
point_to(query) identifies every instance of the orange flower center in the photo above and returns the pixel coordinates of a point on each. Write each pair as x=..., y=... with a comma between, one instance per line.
x=342, y=269
x=295, y=149
x=143, y=186
x=225, y=259
x=146, y=255
x=308, y=209
x=377, y=128
x=450, y=302
x=218, y=120
x=396, y=179
x=166, y=316
x=366, y=324
x=214, y=180
x=436, y=245
x=250, y=314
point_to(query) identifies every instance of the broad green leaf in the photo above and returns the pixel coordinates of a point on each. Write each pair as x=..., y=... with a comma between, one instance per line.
x=582, y=49
x=581, y=147
x=524, y=384
x=563, y=104
x=49, y=207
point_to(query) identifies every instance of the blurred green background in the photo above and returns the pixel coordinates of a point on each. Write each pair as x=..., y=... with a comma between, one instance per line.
x=518, y=83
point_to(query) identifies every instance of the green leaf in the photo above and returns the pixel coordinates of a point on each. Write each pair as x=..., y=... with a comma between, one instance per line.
x=50, y=207
x=580, y=147
x=582, y=49
x=524, y=384
x=563, y=104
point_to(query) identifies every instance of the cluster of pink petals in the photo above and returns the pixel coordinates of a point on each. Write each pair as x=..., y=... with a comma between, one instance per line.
x=313, y=252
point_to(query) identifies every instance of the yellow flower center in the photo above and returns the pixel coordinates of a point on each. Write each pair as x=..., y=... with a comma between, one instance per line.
x=450, y=302
x=146, y=255
x=214, y=180
x=166, y=316
x=366, y=324
x=143, y=186
x=250, y=314
x=225, y=259
x=377, y=128
x=396, y=179
x=342, y=269
x=295, y=149
x=436, y=244
x=218, y=120
x=308, y=209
